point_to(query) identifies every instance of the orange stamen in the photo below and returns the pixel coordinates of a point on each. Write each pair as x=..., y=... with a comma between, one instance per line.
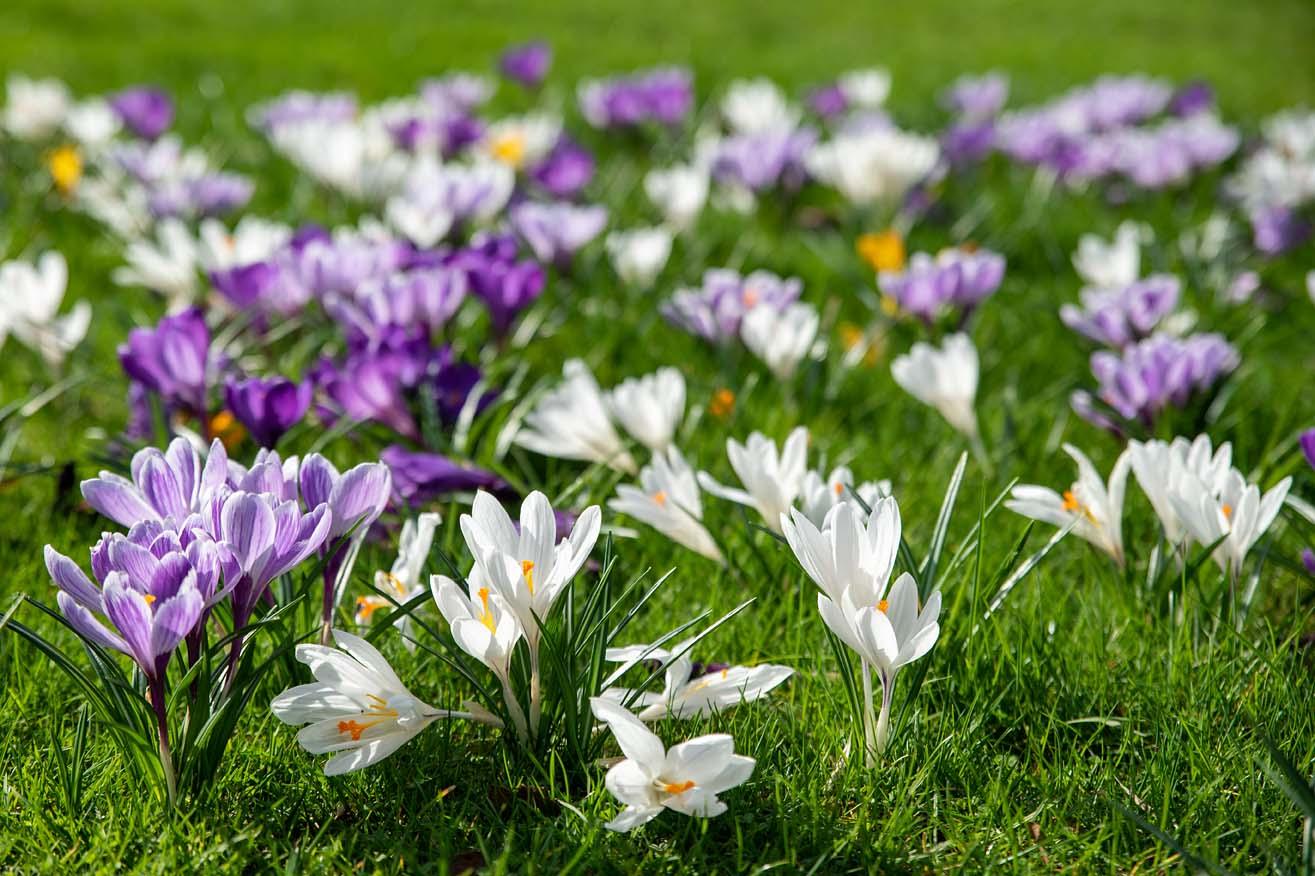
x=150, y=598
x=527, y=569
x=352, y=728
x=723, y=402
x=1228, y=511
x=674, y=788
x=660, y=497
x=882, y=606
x=883, y=251
x=486, y=618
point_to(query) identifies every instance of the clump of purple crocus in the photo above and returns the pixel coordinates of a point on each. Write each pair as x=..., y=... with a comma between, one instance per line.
x=419, y=478
x=1158, y=373
x=664, y=96
x=267, y=407
x=761, y=160
x=714, y=310
x=976, y=102
x=565, y=170
x=505, y=283
x=557, y=231
x=172, y=360
x=526, y=64
x=956, y=279
x=1118, y=317
x=1275, y=230
x=146, y=111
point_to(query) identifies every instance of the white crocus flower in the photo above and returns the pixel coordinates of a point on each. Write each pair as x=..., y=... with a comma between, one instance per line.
x=821, y=492
x=529, y=569
x=850, y=552
x=679, y=192
x=253, y=239
x=357, y=709
x=770, y=479
x=875, y=166
x=752, y=106
x=781, y=338
x=1154, y=462
x=35, y=108
x=639, y=255
x=685, y=695
x=520, y=141
x=686, y=779
x=92, y=123
x=1113, y=264
x=30, y=295
x=1238, y=513
x=572, y=422
x=650, y=407
x=1093, y=508
x=166, y=265
x=865, y=89
x=668, y=500
x=423, y=221
x=403, y=583
x=945, y=378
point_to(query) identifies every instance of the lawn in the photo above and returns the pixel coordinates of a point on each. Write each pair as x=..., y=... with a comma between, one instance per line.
x=1095, y=722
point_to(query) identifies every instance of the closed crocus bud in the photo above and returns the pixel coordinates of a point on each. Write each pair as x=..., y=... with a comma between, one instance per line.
x=527, y=63
x=172, y=359
x=147, y=112
x=268, y=407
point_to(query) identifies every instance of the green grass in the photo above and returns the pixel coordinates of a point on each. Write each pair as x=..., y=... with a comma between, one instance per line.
x=1081, y=697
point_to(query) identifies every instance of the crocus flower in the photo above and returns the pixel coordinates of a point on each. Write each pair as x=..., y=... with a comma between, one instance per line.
x=172, y=360
x=679, y=192
x=945, y=378
x=1238, y=513
x=34, y=108
x=1118, y=317
x=166, y=265
x=1160, y=372
x=356, y=709
x=527, y=63
x=167, y=485
x=505, y=285
x=780, y=338
x=978, y=97
x=692, y=690
x=420, y=478
x=1112, y=265
x=404, y=582
x=565, y=170
x=147, y=112
x=715, y=310
x=521, y=141
x=954, y=279
x=662, y=95
x=1156, y=463
x=639, y=255
x=1275, y=230
x=755, y=105
x=875, y=166
x=650, y=407
x=268, y=408
x=822, y=491
x=572, y=422
x=771, y=478
x=92, y=123
x=30, y=295
x=686, y=779
x=251, y=240
x=668, y=500
x=1094, y=509
x=557, y=231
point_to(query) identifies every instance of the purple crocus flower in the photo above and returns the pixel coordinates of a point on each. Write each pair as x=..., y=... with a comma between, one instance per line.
x=1160, y=372
x=367, y=387
x=765, y=159
x=956, y=278
x=1118, y=317
x=1194, y=97
x=968, y=142
x=172, y=359
x=714, y=310
x=505, y=285
x=298, y=107
x=267, y=407
x=147, y=112
x=828, y=101
x=420, y=478
x=975, y=98
x=557, y=231
x=1307, y=441
x=527, y=63
x=1275, y=230
x=664, y=96
x=254, y=286
x=565, y=170
x=167, y=485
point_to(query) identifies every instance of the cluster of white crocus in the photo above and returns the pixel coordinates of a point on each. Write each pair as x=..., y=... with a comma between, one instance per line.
x=780, y=338
x=668, y=500
x=572, y=421
x=403, y=583
x=850, y=558
x=685, y=779
x=166, y=265
x=945, y=378
x=640, y=254
x=35, y=108
x=30, y=295
x=770, y=479
x=821, y=492
x=1195, y=492
x=514, y=584
x=684, y=694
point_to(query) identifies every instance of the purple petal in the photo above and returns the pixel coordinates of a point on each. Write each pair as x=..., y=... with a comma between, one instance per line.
x=87, y=625
x=70, y=579
x=118, y=499
x=175, y=618
x=129, y=612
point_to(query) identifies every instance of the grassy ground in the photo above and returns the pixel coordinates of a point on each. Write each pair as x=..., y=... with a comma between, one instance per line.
x=1033, y=729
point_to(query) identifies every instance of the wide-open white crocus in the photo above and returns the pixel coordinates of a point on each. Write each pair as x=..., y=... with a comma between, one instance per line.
x=356, y=709
x=679, y=193
x=770, y=479
x=519, y=141
x=1155, y=462
x=486, y=628
x=650, y=407
x=821, y=492
x=1094, y=508
x=1237, y=513
x=944, y=377
x=166, y=265
x=404, y=582
x=1113, y=264
x=34, y=108
x=781, y=338
x=692, y=690
x=686, y=779
x=668, y=500
x=571, y=421
x=639, y=255
x=528, y=568
x=30, y=295
x=253, y=239
x=876, y=166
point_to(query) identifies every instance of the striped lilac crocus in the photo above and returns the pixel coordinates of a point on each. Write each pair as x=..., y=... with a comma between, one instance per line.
x=557, y=231
x=147, y=112
x=956, y=279
x=715, y=310
x=267, y=407
x=172, y=360
x=1118, y=317
x=166, y=486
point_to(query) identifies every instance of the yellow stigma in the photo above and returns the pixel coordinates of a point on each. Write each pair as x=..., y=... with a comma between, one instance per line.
x=882, y=606
x=677, y=788
x=486, y=616
x=883, y=251
x=527, y=569
x=227, y=429
x=65, y=166
x=1072, y=503
x=366, y=607
x=839, y=488
x=1228, y=511
x=509, y=148
x=660, y=497
x=723, y=402
x=150, y=598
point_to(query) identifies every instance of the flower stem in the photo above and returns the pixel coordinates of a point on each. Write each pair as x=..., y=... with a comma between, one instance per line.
x=514, y=708
x=868, y=751
x=536, y=695
x=162, y=722
x=883, y=722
